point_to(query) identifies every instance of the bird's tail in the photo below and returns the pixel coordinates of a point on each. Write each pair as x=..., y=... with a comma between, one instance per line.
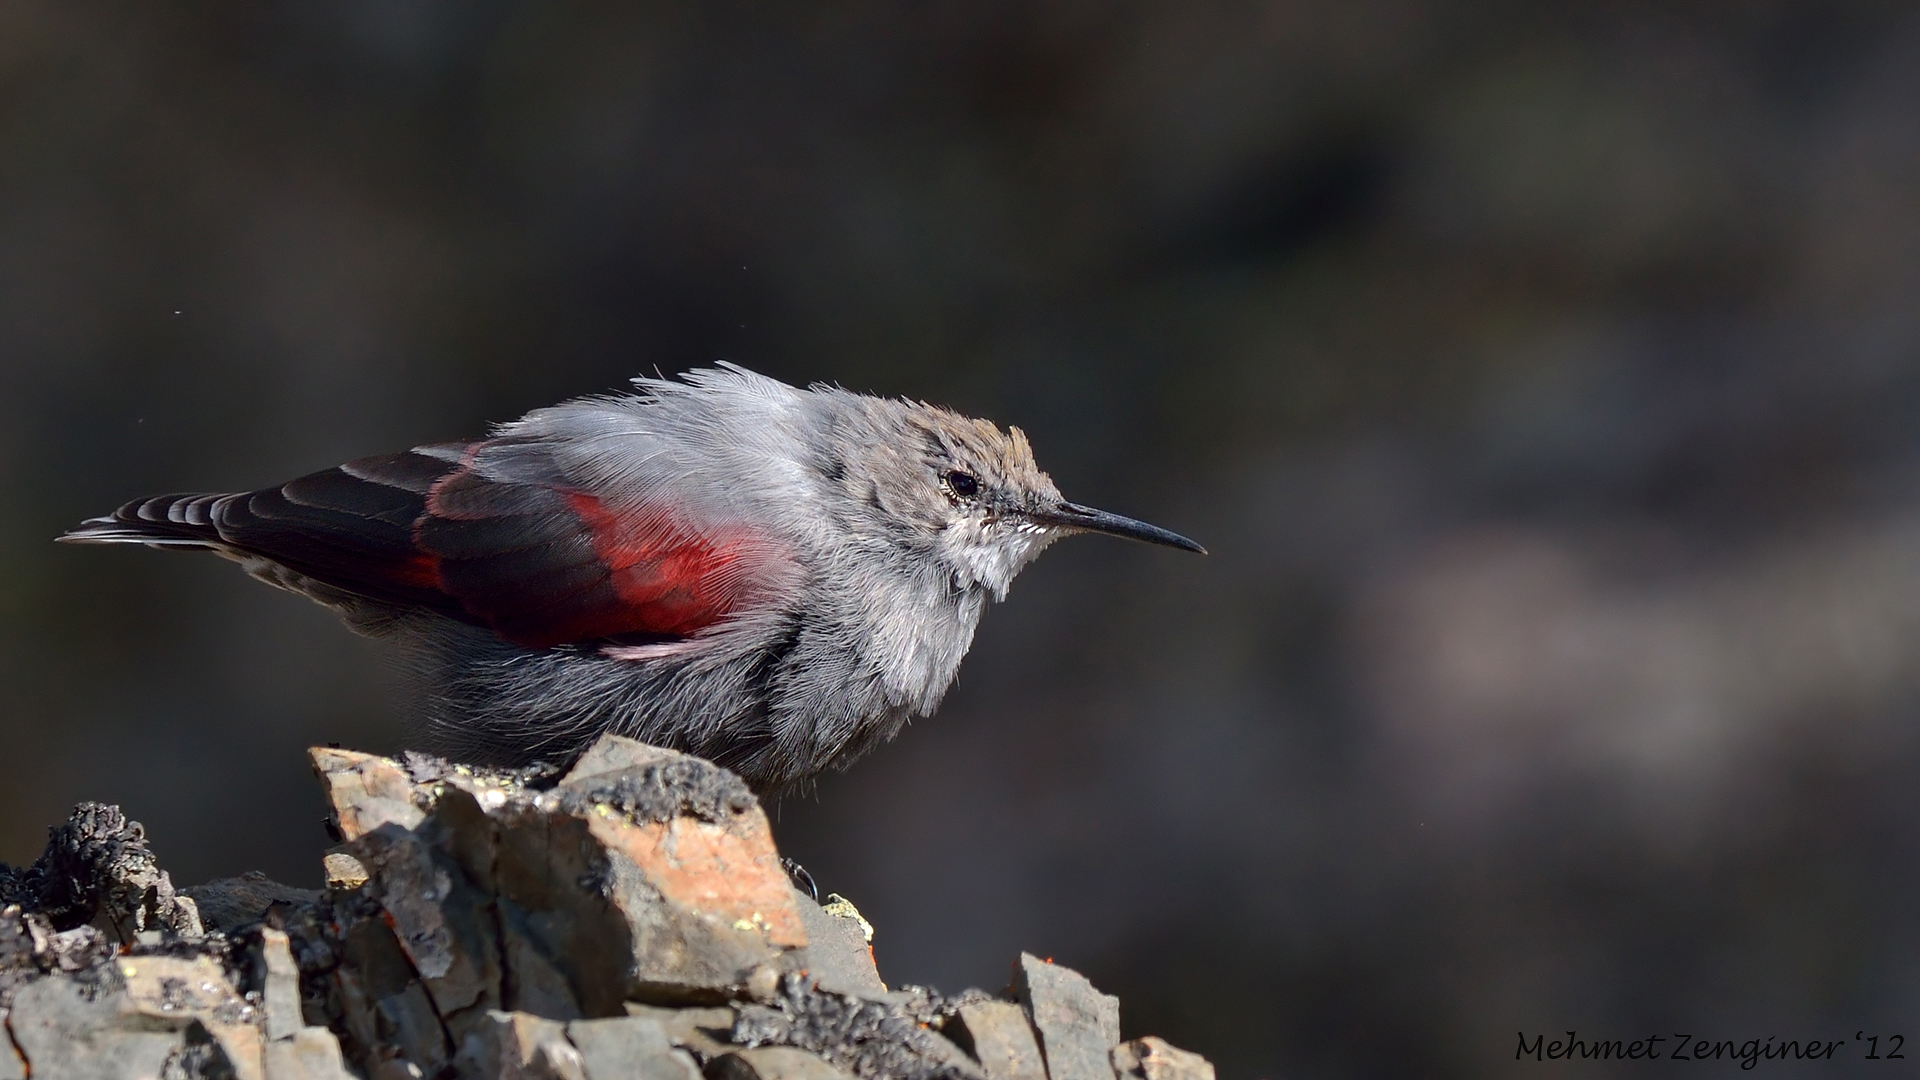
x=161, y=521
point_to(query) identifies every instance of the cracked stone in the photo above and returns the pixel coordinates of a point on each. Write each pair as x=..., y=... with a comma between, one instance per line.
x=707, y=1032
x=66, y=1028
x=168, y=987
x=367, y=791
x=507, y=924
x=29, y=946
x=536, y=983
x=439, y=917
x=630, y=1046
x=137, y=1016
x=1077, y=1025
x=279, y=980
x=838, y=956
x=311, y=1053
x=773, y=1063
x=675, y=911
x=395, y=1068
x=998, y=1036
x=12, y=1066
x=385, y=1011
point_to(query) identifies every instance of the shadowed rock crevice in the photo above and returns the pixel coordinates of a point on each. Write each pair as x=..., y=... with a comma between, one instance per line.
x=631, y=917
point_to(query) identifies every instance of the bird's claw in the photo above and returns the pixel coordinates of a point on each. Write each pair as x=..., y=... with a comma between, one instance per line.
x=800, y=878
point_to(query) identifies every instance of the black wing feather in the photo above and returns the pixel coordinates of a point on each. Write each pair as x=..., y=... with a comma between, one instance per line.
x=350, y=527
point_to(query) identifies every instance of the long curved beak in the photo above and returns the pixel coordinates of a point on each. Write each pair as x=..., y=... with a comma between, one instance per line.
x=1068, y=515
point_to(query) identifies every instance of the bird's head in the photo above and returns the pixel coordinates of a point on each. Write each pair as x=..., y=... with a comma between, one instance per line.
x=971, y=497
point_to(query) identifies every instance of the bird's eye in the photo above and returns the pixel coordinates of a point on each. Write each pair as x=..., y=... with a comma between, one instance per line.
x=963, y=484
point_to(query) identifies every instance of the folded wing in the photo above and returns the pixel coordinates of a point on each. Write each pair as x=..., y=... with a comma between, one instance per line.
x=492, y=533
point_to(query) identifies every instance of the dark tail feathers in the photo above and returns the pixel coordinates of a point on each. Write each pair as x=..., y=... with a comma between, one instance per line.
x=160, y=521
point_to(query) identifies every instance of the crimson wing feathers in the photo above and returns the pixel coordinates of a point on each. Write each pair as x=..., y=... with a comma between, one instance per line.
x=537, y=561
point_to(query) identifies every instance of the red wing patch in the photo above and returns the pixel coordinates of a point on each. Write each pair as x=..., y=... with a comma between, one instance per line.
x=547, y=565
x=669, y=580
x=537, y=562
x=422, y=571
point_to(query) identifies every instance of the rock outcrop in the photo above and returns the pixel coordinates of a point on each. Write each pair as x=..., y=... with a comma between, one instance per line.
x=628, y=919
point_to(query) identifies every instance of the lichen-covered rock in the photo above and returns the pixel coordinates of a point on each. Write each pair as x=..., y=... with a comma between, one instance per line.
x=630, y=918
x=642, y=874
x=367, y=791
x=650, y=784
x=97, y=869
x=888, y=1038
x=683, y=853
x=839, y=956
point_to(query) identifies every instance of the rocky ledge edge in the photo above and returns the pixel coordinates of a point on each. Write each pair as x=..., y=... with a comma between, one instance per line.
x=628, y=920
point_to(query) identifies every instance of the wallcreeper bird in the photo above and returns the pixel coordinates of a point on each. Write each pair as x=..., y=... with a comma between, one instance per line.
x=772, y=578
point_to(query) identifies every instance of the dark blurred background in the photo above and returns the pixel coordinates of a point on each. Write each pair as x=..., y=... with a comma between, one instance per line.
x=1545, y=379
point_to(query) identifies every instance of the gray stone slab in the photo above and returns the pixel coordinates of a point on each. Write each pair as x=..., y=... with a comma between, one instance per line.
x=838, y=957
x=517, y=1046
x=772, y=1063
x=703, y=1030
x=227, y=904
x=1153, y=1058
x=944, y=1051
x=65, y=1028
x=1077, y=1025
x=12, y=1067
x=630, y=1048
x=366, y=790
x=680, y=912
x=614, y=754
x=998, y=1036
x=383, y=1008
x=189, y=994
x=537, y=983
x=279, y=984
x=343, y=870
x=439, y=917
x=311, y=1053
